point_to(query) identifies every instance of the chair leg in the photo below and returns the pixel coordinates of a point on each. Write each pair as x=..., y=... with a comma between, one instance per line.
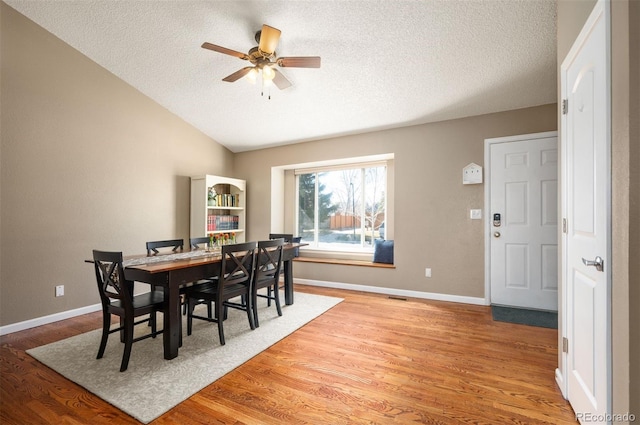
x=276, y=296
x=248, y=306
x=153, y=322
x=190, y=307
x=220, y=313
x=269, y=296
x=128, y=342
x=254, y=307
x=106, y=324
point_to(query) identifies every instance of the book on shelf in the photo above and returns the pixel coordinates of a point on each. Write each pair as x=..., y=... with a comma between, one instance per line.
x=227, y=200
x=222, y=222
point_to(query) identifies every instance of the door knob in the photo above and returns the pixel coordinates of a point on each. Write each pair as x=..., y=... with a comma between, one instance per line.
x=496, y=234
x=598, y=263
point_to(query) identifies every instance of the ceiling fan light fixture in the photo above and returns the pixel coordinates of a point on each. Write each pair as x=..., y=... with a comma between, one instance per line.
x=252, y=76
x=264, y=60
x=268, y=73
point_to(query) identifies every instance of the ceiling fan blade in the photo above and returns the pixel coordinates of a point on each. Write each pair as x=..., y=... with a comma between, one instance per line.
x=280, y=80
x=300, y=62
x=224, y=50
x=269, y=38
x=238, y=74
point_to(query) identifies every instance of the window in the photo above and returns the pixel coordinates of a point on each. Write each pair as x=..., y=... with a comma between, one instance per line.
x=341, y=208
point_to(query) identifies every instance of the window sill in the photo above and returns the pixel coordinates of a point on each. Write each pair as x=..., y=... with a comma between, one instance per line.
x=344, y=262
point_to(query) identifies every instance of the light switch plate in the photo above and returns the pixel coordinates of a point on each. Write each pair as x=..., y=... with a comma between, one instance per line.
x=475, y=214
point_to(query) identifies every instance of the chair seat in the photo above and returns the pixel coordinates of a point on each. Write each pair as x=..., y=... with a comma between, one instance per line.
x=207, y=291
x=147, y=299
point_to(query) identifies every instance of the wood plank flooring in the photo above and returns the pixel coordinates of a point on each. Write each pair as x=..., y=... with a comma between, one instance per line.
x=369, y=360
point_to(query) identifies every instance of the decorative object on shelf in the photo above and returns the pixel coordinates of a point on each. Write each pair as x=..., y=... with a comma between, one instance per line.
x=213, y=241
x=211, y=196
x=233, y=237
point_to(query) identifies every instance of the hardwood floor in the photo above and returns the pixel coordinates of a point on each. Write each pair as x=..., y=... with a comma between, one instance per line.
x=370, y=359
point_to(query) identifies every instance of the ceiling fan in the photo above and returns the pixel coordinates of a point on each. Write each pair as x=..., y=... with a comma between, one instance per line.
x=264, y=60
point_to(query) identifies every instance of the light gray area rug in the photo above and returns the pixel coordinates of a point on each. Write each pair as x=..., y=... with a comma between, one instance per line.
x=152, y=385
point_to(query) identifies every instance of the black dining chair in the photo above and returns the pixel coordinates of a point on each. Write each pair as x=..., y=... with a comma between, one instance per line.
x=174, y=244
x=196, y=243
x=116, y=296
x=267, y=275
x=235, y=280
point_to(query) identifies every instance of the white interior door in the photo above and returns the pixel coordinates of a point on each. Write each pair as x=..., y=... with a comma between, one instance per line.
x=524, y=240
x=586, y=207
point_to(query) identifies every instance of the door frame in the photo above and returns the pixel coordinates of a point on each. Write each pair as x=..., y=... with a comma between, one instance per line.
x=602, y=7
x=487, y=198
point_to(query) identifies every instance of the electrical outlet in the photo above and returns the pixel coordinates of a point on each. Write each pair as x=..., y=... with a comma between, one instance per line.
x=427, y=272
x=59, y=290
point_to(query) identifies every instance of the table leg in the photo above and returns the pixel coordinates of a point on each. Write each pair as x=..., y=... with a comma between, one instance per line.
x=288, y=282
x=172, y=321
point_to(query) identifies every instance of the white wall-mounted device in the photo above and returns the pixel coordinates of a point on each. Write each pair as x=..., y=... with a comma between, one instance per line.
x=472, y=174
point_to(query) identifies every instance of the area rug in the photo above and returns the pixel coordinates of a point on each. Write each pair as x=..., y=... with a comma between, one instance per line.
x=152, y=385
x=523, y=316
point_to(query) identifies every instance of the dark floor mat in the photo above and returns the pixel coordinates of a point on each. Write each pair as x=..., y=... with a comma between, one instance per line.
x=523, y=316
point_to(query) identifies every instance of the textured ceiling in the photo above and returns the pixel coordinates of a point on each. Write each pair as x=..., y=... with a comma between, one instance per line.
x=385, y=64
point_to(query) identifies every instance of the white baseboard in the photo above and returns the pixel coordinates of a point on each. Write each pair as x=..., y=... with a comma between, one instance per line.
x=39, y=321
x=560, y=382
x=395, y=292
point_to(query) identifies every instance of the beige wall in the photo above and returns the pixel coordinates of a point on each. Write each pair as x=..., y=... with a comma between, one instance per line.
x=626, y=203
x=88, y=163
x=625, y=151
x=634, y=201
x=431, y=218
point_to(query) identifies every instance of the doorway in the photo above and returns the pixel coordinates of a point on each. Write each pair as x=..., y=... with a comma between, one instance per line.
x=521, y=233
x=585, y=373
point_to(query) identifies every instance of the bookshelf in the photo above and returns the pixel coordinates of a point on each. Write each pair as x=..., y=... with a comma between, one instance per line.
x=217, y=206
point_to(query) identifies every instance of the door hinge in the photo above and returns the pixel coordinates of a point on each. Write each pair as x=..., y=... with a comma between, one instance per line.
x=565, y=345
x=565, y=106
x=564, y=225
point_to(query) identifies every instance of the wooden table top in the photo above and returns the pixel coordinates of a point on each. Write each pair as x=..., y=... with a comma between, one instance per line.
x=164, y=262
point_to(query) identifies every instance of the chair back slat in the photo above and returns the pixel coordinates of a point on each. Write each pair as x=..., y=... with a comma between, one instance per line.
x=238, y=262
x=175, y=244
x=194, y=243
x=110, y=277
x=288, y=237
x=268, y=261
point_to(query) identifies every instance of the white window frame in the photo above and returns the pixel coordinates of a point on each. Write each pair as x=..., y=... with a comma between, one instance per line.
x=284, y=201
x=361, y=166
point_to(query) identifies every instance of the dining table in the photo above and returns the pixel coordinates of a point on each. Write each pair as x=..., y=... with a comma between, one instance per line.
x=175, y=269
